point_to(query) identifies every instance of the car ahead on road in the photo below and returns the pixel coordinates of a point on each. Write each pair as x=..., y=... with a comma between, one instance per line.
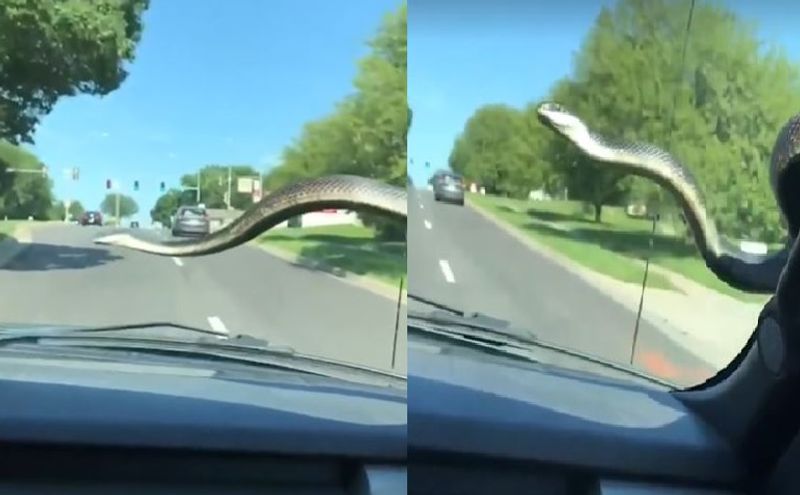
x=448, y=187
x=191, y=221
x=92, y=218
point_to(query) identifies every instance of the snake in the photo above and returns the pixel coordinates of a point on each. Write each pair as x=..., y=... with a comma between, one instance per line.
x=348, y=192
x=747, y=272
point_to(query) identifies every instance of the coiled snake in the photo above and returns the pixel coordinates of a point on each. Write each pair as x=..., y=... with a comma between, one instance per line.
x=741, y=270
x=335, y=191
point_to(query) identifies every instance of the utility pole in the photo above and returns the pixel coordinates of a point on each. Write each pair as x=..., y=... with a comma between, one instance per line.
x=230, y=173
x=198, y=187
x=115, y=186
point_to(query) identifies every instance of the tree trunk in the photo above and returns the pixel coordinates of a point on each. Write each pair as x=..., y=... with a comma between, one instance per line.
x=598, y=212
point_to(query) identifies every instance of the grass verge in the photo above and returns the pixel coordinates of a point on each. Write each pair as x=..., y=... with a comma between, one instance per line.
x=615, y=247
x=351, y=248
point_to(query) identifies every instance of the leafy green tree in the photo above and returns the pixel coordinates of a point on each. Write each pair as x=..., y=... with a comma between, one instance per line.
x=214, y=186
x=718, y=113
x=55, y=48
x=24, y=191
x=496, y=150
x=366, y=133
x=76, y=209
x=127, y=205
x=166, y=205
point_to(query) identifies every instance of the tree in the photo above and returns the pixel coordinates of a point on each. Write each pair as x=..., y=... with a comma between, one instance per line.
x=496, y=149
x=214, y=186
x=24, y=192
x=127, y=205
x=166, y=206
x=55, y=48
x=719, y=113
x=76, y=209
x=366, y=133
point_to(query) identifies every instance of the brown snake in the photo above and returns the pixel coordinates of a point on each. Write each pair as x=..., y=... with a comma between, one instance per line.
x=335, y=191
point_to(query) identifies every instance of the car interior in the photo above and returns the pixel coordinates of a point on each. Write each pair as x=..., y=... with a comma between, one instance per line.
x=103, y=428
x=480, y=428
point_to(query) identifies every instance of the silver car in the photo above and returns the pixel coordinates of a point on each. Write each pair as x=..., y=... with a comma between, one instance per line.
x=191, y=221
x=448, y=187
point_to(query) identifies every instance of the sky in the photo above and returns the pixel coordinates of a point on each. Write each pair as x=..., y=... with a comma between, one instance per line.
x=215, y=81
x=463, y=54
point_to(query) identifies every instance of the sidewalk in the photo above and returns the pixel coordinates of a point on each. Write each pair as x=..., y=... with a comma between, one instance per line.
x=712, y=326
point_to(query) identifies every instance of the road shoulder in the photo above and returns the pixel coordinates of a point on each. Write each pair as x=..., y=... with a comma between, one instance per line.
x=363, y=282
x=12, y=246
x=678, y=315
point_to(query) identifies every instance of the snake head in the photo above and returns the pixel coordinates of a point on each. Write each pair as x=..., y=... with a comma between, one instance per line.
x=561, y=120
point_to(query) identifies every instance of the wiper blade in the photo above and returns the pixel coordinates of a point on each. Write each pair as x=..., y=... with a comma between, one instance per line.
x=469, y=330
x=435, y=304
x=239, y=348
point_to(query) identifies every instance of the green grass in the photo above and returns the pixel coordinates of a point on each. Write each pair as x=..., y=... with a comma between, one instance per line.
x=346, y=247
x=7, y=228
x=615, y=247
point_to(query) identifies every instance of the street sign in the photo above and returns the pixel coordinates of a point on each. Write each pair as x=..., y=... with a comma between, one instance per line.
x=244, y=184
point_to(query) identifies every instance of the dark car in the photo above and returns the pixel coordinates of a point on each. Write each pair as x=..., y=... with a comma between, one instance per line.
x=448, y=186
x=92, y=218
x=191, y=221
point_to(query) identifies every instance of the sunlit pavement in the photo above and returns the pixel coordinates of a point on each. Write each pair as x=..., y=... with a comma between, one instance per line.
x=461, y=259
x=63, y=278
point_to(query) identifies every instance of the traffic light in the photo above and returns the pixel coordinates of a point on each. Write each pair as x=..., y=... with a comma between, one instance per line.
x=108, y=183
x=136, y=185
x=76, y=173
x=162, y=186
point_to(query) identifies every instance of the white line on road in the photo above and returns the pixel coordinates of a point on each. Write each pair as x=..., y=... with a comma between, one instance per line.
x=428, y=225
x=178, y=261
x=216, y=324
x=447, y=271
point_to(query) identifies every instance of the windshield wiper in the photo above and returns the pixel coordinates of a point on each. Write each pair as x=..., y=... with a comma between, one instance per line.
x=238, y=348
x=435, y=304
x=480, y=330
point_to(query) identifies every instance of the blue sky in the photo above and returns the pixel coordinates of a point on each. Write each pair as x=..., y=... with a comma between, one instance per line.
x=214, y=81
x=463, y=54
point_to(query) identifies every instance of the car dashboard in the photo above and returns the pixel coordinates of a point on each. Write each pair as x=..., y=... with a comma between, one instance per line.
x=103, y=427
x=534, y=429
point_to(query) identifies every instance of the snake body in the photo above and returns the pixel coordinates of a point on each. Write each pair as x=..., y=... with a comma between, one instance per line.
x=741, y=270
x=335, y=191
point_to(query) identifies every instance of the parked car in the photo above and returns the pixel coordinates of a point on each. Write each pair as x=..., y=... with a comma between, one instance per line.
x=191, y=221
x=92, y=218
x=448, y=187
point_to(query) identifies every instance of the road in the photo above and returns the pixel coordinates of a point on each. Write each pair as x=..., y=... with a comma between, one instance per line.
x=63, y=278
x=461, y=259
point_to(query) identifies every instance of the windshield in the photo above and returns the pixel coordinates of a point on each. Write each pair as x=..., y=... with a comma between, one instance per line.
x=555, y=237
x=136, y=111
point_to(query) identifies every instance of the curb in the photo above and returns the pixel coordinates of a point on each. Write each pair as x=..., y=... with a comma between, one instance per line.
x=13, y=246
x=380, y=288
x=590, y=277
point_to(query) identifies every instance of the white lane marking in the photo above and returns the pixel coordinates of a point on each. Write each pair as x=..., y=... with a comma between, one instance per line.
x=428, y=225
x=178, y=261
x=216, y=324
x=447, y=271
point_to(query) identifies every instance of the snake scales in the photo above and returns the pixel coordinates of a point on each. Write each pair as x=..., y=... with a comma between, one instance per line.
x=743, y=271
x=335, y=191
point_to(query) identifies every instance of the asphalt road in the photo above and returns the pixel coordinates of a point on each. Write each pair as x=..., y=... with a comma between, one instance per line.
x=461, y=259
x=63, y=278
